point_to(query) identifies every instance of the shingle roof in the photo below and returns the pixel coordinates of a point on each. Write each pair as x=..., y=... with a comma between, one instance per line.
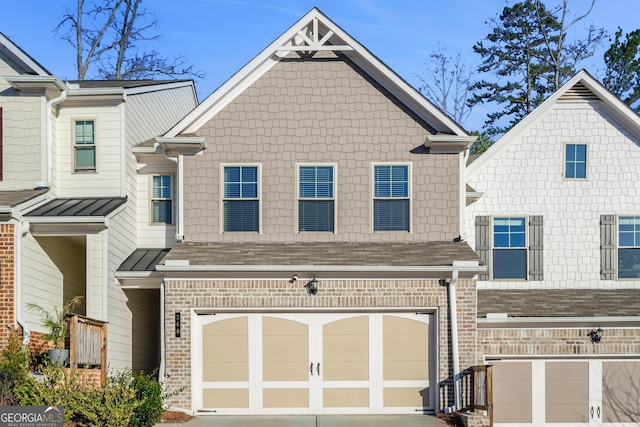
x=15, y=197
x=324, y=253
x=84, y=206
x=143, y=259
x=560, y=302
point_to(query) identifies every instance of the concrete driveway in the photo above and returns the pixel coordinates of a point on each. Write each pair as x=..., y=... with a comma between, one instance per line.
x=313, y=421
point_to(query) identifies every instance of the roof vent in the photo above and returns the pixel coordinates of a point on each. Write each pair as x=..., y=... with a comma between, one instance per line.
x=578, y=93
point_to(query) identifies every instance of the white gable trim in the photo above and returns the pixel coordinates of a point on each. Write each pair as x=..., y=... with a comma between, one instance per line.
x=21, y=56
x=609, y=101
x=295, y=39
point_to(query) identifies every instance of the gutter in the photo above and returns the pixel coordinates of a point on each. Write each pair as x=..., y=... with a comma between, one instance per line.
x=184, y=266
x=179, y=161
x=163, y=329
x=21, y=229
x=47, y=165
x=453, y=315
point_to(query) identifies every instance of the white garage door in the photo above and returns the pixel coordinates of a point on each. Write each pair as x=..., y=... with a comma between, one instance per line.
x=314, y=363
x=566, y=393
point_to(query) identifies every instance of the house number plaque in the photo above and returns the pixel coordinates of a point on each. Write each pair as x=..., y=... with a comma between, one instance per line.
x=177, y=325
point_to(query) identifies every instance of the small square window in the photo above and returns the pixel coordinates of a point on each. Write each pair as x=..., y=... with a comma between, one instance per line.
x=575, y=161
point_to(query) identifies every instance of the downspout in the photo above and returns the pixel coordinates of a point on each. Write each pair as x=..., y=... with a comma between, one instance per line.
x=163, y=369
x=21, y=229
x=180, y=194
x=453, y=320
x=46, y=175
x=463, y=157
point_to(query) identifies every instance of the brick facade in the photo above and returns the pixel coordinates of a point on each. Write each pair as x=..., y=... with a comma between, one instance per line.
x=557, y=342
x=7, y=277
x=183, y=295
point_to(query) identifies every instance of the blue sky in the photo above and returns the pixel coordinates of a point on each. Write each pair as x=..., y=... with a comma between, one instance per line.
x=220, y=36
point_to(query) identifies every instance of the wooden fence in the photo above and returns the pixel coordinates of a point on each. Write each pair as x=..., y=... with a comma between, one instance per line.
x=88, y=344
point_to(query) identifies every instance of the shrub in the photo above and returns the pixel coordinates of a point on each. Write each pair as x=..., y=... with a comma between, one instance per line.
x=14, y=369
x=149, y=393
x=111, y=405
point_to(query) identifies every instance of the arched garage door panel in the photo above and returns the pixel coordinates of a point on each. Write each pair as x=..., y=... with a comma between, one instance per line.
x=314, y=363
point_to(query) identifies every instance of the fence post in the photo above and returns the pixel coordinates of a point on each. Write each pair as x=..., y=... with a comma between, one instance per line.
x=73, y=344
x=103, y=354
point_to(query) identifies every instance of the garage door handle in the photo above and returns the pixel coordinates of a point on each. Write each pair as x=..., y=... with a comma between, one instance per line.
x=598, y=412
x=592, y=412
x=318, y=368
x=311, y=368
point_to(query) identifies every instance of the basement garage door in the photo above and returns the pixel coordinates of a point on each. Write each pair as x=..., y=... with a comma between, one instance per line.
x=321, y=363
x=566, y=393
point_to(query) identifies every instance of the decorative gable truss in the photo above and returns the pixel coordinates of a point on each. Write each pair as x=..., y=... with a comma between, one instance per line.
x=314, y=37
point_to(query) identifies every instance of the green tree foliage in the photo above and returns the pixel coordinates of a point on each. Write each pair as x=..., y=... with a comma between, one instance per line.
x=528, y=55
x=622, y=74
x=482, y=144
x=512, y=53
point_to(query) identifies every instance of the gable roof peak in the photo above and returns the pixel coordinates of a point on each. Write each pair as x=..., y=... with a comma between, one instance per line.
x=581, y=88
x=16, y=53
x=312, y=33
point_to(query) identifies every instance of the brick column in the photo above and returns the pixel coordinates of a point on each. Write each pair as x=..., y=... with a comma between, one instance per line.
x=7, y=282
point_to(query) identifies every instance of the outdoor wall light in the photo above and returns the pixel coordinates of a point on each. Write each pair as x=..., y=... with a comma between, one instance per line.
x=312, y=287
x=595, y=335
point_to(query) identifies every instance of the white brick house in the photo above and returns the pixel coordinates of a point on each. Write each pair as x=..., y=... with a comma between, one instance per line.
x=555, y=214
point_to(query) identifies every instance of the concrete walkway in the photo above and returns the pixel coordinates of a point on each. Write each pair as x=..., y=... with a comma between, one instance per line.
x=313, y=421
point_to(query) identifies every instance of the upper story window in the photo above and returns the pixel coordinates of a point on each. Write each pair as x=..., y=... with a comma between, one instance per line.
x=161, y=200
x=575, y=161
x=391, y=204
x=84, y=146
x=511, y=247
x=316, y=202
x=241, y=202
x=629, y=247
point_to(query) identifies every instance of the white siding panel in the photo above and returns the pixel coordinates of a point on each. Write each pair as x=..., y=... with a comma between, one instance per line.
x=527, y=178
x=154, y=236
x=52, y=273
x=109, y=146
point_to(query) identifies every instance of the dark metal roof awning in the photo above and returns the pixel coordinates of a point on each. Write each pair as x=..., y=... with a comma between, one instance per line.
x=82, y=215
x=143, y=259
x=92, y=206
x=138, y=271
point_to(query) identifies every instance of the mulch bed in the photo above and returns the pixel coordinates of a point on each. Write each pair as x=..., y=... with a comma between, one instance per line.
x=174, y=417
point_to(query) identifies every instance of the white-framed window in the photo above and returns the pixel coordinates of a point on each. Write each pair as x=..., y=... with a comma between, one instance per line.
x=511, y=247
x=575, y=161
x=316, y=198
x=391, y=197
x=241, y=198
x=84, y=146
x=161, y=199
x=629, y=247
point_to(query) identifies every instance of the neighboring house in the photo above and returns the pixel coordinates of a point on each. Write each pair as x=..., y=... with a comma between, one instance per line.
x=75, y=201
x=320, y=252
x=555, y=214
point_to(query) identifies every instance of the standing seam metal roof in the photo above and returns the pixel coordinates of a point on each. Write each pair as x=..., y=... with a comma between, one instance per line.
x=92, y=206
